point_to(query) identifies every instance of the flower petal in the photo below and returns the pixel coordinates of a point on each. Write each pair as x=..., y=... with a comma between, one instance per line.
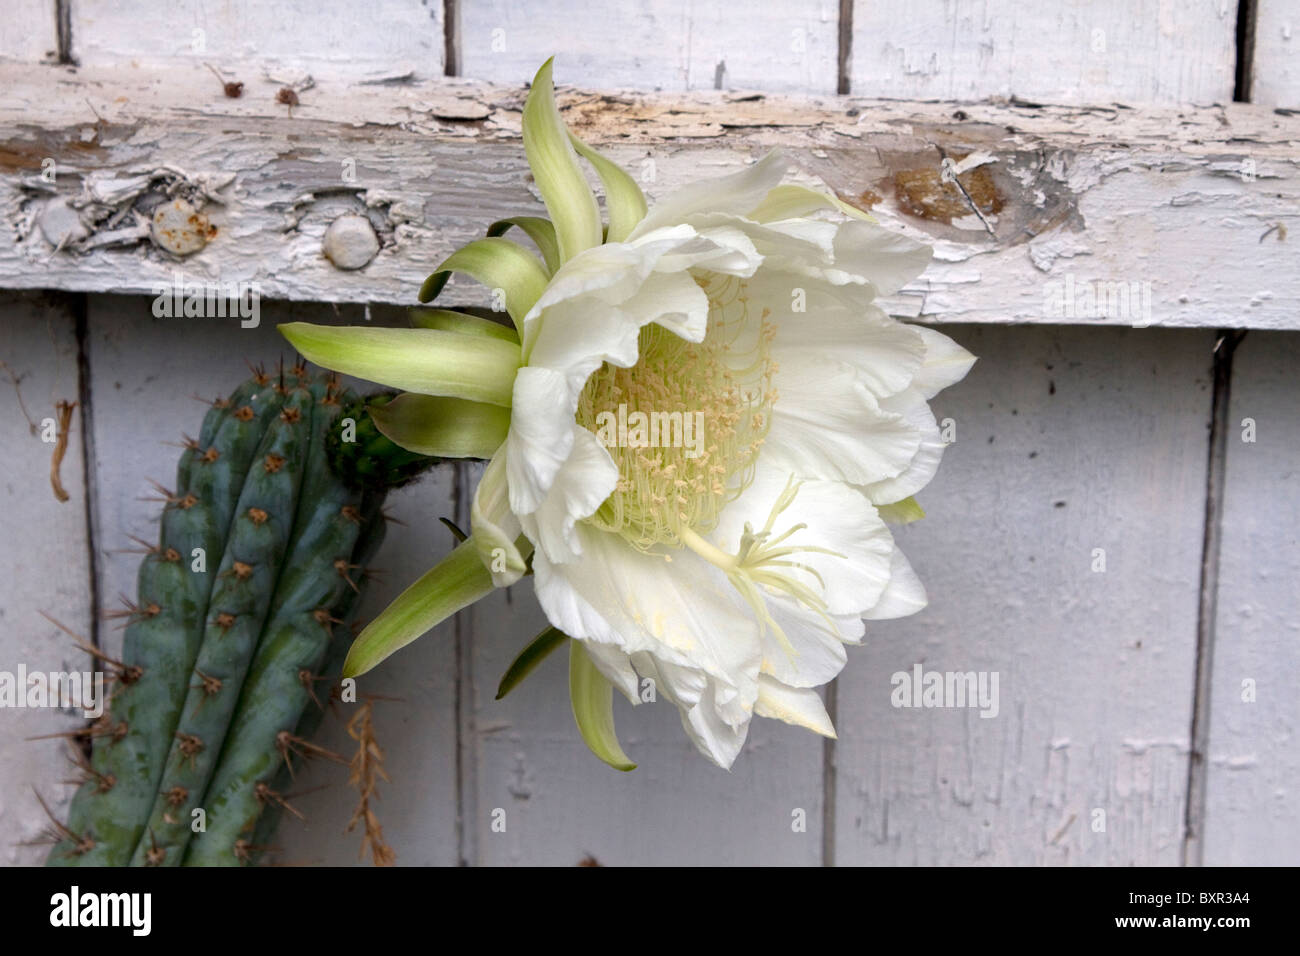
x=734, y=194
x=623, y=197
x=801, y=707
x=587, y=477
x=592, y=697
x=903, y=596
x=495, y=528
x=540, y=230
x=498, y=264
x=946, y=363
x=924, y=464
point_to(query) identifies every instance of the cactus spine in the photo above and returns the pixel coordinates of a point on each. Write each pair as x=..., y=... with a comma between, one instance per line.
x=239, y=610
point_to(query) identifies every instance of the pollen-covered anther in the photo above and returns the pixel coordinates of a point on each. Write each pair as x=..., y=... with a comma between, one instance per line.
x=684, y=424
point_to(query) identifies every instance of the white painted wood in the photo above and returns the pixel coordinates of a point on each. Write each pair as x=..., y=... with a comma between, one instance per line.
x=1253, y=790
x=1070, y=51
x=247, y=38
x=1133, y=197
x=27, y=31
x=655, y=45
x=561, y=804
x=44, y=562
x=144, y=371
x=1277, y=54
x=1068, y=440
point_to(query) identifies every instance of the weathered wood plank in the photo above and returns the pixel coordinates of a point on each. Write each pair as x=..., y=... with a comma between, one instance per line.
x=1068, y=441
x=250, y=40
x=1254, y=765
x=1119, y=205
x=561, y=804
x=1106, y=51
x=1276, y=68
x=144, y=372
x=657, y=45
x=44, y=563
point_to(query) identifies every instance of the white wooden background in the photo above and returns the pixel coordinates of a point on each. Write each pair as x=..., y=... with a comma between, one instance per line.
x=1069, y=439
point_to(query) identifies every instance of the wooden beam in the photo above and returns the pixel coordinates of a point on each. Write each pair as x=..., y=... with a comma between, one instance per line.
x=1158, y=216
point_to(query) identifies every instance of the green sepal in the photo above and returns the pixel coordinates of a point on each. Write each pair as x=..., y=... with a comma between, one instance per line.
x=901, y=512
x=538, y=649
x=455, y=582
x=427, y=361
x=569, y=200
x=540, y=230
x=592, y=697
x=624, y=200
x=447, y=320
x=444, y=427
x=498, y=264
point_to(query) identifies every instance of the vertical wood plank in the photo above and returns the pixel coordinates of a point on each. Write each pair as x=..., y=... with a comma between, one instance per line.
x=1068, y=440
x=1276, y=69
x=27, y=31
x=1253, y=787
x=1107, y=51
x=144, y=372
x=659, y=44
x=44, y=563
x=331, y=37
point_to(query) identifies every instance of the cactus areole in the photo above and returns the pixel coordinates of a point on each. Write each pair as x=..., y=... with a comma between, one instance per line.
x=239, y=621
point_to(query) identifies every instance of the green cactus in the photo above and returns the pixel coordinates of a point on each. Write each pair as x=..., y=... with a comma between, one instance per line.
x=242, y=608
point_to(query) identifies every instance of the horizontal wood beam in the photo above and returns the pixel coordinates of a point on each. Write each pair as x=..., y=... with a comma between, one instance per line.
x=1089, y=215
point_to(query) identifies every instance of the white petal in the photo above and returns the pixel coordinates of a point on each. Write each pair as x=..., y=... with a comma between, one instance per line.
x=903, y=596
x=946, y=363
x=798, y=706
x=617, y=668
x=886, y=259
x=827, y=424
x=924, y=464
x=540, y=436
x=683, y=611
x=837, y=324
x=494, y=525
x=735, y=194
x=715, y=737
x=836, y=517
x=587, y=477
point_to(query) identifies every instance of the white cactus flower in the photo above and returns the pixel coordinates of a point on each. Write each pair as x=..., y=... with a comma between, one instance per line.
x=709, y=419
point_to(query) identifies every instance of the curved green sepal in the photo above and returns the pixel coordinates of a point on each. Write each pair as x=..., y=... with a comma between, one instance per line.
x=445, y=427
x=538, y=649
x=624, y=200
x=592, y=697
x=498, y=264
x=901, y=512
x=427, y=361
x=455, y=582
x=537, y=229
x=445, y=320
x=569, y=200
